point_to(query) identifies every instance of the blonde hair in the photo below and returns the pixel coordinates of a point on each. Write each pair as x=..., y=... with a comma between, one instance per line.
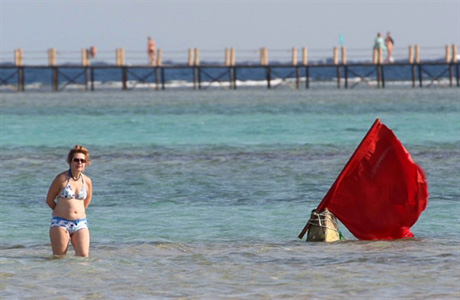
x=79, y=149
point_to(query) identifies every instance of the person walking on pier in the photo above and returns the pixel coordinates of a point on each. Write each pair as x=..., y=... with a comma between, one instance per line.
x=151, y=50
x=379, y=42
x=379, y=48
x=389, y=44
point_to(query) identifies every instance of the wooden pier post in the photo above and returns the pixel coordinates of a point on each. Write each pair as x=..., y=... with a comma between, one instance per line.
x=120, y=54
x=454, y=53
x=190, y=57
x=305, y=63
x=449, y=60
x=380, y=76
x=124, y=77
x=227, y=57
x=195, y=77
x=159, y=64
x=85, y=62
x=52, y=57
x=307, y=77
x=87, y=78
x=92, y=78
x=85, y=58
x=264, y=56
x=335, y=55
x=199, y=77
x=18, y=57
x=55, y=78
x=196, y=69
x=454, y=61
x=234, y=78
x=21, y=79
x=230, y=77
x=264, y=62
x=336, y=63
x=297, y=76
x=268, y=74
x=419, y=66
x=232, y=69
x=163, y=78
x=193, y=61
x=232, y=57
x=304, y=56
x=344, y=64
x=228, y=63
x=19, y=62
x=197, y=57
x=157, y=78
x=411, y=61
x=295, y=64
x=294, y=56
x=54, y=69
x=344, y=55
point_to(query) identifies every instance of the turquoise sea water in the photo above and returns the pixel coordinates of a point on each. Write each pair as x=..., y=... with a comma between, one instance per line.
x=201, y=194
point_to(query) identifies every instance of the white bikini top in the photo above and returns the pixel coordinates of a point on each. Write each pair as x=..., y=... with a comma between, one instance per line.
x=68, y=193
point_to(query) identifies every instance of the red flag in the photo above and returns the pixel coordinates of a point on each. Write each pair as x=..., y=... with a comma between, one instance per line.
x=381, y=192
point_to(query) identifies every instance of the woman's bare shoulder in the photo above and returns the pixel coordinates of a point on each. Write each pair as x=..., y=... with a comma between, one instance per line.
x=62, y=176
x=87, y=178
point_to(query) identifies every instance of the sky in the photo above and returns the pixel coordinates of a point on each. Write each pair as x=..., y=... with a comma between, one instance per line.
x=67, y=25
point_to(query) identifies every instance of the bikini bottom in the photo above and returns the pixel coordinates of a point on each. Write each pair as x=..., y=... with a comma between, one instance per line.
x=71, y=226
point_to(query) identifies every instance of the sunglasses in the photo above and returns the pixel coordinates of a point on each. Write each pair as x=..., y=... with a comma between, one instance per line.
x=79, y=160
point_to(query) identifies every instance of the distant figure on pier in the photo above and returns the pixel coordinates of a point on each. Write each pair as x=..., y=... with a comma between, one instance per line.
x=390, y=45
x=379, y=42
x=151, y=50
x=92, y=52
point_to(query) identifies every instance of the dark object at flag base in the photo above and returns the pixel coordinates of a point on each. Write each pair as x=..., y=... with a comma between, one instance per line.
x=381, y=192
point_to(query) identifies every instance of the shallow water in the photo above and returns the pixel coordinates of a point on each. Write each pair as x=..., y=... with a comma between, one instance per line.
x=202, y=194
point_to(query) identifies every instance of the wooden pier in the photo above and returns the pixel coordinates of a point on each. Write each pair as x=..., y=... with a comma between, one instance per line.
x=201, y=78
x=200, y=75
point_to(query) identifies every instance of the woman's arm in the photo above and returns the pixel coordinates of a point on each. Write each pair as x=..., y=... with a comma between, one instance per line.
x=53, y=191
x=90, y=191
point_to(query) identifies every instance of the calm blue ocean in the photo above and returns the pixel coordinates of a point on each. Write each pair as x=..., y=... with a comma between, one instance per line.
x=201, y=194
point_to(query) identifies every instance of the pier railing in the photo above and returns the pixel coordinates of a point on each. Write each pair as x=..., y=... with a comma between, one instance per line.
x=294, y=66
x=228, y=56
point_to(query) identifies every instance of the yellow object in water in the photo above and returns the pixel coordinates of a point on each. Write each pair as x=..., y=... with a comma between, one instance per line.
x=323, y=227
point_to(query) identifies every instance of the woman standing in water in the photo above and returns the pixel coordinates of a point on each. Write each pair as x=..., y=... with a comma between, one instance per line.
x=68, y=196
